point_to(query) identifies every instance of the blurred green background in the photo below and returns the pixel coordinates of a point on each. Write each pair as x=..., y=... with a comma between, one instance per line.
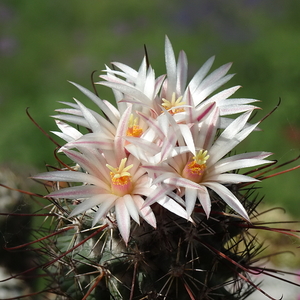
x=45, y=43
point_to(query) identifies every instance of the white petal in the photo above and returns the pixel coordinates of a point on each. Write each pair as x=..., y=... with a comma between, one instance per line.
x=89, y=203
x=97, y=101
x=227, y=142
x=182, y=182
x=123, y=219
x=239, y=161
x=173, y=207
x=88, y=141
x=228, y=197
x=182, y=68
x=68, y=130
x=126, y=69
x=202, y=94
x=188, y=138
x=223, y=95
x=146, y=212
x=104, y=207
x=131, y=207
x=159, y=193
x=63, y=136
x=119, y=141
x=236, y=126
x=66, y=176
x=208, y=130
x=171, y=68
x=230, y=178
x=129, y=91
x=76, y=192
x=73, y=119
x=190, y=200
x=201, y=73
x=93, y=123
x=205, y=201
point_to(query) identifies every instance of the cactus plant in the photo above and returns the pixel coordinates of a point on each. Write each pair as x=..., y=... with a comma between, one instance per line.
x=153, y=204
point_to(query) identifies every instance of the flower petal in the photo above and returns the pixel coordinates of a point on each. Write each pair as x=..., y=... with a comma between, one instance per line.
x=229, y=198
x=69, y=176
x=76, y=192
x=145, y=212
x=131, y=207
x=123, y=219
x=205, y=201
x=190, y=200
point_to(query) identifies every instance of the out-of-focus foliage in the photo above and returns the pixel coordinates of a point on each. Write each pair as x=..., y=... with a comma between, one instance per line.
x=45, y=43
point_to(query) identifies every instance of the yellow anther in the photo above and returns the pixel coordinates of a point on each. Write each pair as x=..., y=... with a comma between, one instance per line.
x=173, y=106
x=120, y=178
x=133, y=128
x=201, y=157
x=121, y=171
x=194, y=170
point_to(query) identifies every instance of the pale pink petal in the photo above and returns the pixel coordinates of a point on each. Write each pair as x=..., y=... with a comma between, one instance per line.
x=145, y=212
x=171, y=68
x=190, y=200
x=104, y=207
x=223, y=95
x=173, y=207
x=208, y=130
x=93, y=123
x=239, y=161
x=127, y=71
x=224, y=144
x=68, y=131
x=230, y=178
x=129, y=91
x=205, y=201
x=188, y=138
x=123, y=219
x=229, y=198
x=131, y=207
x=70, y=176
x=90, y=203
x=182, y=182
x=73, y=119
x=182, y=67
x=119, y=141
x=200, y=75
x=159, y=193
x=76, y=192
x=97, y=101
x=89, y=141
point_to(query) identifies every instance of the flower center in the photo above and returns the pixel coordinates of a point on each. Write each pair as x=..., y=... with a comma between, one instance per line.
x=172, y=106
x=133, y=128
x=120, y=178
x=194, y=170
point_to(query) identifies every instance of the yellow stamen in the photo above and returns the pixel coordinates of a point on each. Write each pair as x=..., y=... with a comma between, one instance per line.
x=120, y=178
x=201, y=157
x=194, y=170
x=171, y=105
x=121, y=171
x=133, y=128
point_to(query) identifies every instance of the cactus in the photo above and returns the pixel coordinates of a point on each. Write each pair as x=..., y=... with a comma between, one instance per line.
x=151, y=205
x=213, y=258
